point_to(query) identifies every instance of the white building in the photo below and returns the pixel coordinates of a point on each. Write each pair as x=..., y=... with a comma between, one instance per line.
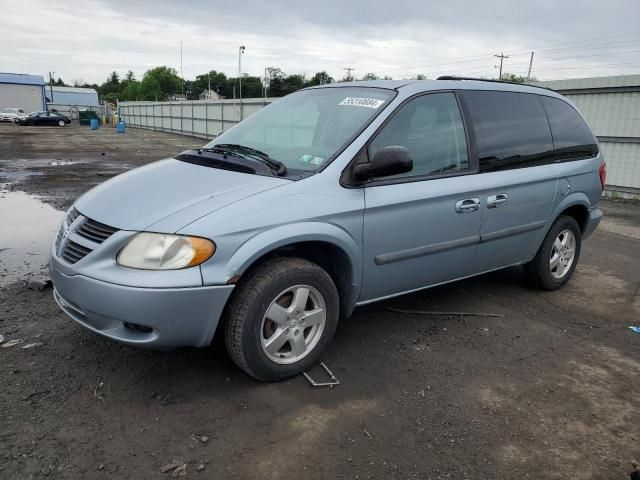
x=209, y=95
x=72, y=96
x=611, y=106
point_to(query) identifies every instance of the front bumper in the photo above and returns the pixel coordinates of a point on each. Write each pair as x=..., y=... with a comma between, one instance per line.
x=159, y=318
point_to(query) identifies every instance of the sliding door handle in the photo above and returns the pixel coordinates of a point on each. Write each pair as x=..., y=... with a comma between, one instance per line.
x=497, y=200
x=468, y=205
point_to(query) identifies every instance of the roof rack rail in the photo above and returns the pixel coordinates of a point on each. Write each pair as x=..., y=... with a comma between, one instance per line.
x=453, y=77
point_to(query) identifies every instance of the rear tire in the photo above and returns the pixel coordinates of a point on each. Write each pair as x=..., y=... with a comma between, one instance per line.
x=556, y=260
x=280, y=318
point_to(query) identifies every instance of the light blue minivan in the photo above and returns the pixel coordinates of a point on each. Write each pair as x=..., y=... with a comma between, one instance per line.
x=330, y=198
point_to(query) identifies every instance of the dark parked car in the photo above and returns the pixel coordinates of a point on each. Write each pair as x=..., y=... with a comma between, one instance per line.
x=45, y=118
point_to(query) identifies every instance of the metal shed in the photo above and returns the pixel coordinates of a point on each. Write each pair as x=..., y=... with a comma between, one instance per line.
x=19, y=90
x=72, y=96
x=611, y=106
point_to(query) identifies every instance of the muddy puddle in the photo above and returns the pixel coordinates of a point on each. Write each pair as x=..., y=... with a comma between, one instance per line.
x=28, y=227
x=44, y=163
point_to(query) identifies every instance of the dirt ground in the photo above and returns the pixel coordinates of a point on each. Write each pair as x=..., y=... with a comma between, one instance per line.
x=550, y=390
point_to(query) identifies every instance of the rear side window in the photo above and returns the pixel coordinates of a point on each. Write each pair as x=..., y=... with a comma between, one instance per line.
x=511, y=129
x=572, y=139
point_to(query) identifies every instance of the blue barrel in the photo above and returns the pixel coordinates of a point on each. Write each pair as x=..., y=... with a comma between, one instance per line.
x=94, y=124
x=120, y=126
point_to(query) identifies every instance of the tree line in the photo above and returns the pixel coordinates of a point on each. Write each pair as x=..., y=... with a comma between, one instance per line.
x=162, y=83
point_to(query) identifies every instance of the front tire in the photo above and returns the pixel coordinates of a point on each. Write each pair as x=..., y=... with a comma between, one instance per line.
x=558, y=255
x=280, y=318
x=61, y=123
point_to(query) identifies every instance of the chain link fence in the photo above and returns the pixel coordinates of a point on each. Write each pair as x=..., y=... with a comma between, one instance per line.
x=72, y=111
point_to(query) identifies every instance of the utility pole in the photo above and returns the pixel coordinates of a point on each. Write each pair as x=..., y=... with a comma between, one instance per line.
x=348, y=69
x=265, y=83
x=181, y=72
x=502, y=56
x=530, y=64
x=240, y=52
x=51, y=74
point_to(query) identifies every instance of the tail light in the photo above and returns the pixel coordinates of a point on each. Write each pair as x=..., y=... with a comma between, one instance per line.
x=603, y=174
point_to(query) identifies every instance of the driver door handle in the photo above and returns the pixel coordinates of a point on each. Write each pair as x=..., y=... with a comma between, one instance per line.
x=468, y=205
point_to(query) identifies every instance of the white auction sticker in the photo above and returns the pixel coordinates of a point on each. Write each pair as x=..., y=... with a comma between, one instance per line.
x=362, y=102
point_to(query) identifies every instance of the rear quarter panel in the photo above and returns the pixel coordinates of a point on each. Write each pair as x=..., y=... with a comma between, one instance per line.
x=578, y=184
x=582, y=176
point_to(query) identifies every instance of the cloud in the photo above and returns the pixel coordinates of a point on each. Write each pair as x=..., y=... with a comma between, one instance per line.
x=87, y=39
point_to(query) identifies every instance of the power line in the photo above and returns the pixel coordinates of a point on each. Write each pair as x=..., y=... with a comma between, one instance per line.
x=580, y=74
x=468, y=60
x=539, y=61
x=589, y=67
x=583, y=44
x=557, y=59
x=586, y=67
x=488, y=70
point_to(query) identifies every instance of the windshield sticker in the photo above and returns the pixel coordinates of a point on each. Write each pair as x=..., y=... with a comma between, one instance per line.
x=362, y=102
x=306, y=157
x=316, y=161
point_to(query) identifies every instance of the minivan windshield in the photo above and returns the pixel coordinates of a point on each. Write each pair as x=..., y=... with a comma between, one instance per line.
x=306, y=129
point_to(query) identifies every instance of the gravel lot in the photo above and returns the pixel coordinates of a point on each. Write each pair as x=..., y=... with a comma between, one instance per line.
x=549, y=390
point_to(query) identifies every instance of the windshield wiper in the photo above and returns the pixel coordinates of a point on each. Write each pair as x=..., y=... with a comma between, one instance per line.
x=277, y=166
x=236, y=163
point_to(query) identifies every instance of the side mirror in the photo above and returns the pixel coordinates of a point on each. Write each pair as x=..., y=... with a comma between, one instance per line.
x=389, y=160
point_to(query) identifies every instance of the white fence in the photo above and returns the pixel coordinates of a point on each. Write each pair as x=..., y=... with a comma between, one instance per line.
x=610, y=105
x=196, y=118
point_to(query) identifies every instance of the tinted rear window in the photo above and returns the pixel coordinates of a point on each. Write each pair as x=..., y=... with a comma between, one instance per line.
x=511, y=129
x=572, y=139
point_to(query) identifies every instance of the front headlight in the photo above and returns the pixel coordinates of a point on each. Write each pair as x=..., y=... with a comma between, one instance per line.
x=159, y=251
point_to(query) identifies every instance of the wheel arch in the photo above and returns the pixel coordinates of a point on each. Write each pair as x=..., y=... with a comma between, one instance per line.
x=329, y=246
x=576, y=205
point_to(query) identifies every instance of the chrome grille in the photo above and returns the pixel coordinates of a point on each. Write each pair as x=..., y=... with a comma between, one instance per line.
x=72, y=251
x=75, y=223
x=96, y=231
x=72, y=215
x=66, y=224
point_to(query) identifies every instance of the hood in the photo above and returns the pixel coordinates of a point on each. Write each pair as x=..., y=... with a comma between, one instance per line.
x=167, y=195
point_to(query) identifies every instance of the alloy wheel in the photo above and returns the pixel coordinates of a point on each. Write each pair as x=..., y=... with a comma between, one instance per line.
x=563, y=253
x=293, y=324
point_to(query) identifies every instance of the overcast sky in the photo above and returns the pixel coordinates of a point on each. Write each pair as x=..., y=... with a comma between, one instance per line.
x=85, y=40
